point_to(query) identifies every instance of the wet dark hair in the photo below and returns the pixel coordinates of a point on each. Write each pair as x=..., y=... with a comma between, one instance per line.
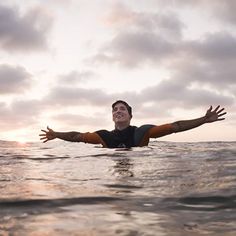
x=129, y=108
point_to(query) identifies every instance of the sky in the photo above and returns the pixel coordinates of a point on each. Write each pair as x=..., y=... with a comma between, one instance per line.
x=64, y=62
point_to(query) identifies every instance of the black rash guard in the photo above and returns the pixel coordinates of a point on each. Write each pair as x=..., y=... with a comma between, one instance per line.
x=129, y=137
x=126, y=138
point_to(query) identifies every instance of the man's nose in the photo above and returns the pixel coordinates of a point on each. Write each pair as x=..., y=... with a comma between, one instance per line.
x=119, y=110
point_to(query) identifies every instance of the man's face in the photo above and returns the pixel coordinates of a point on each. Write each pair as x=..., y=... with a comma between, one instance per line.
x=120, y=113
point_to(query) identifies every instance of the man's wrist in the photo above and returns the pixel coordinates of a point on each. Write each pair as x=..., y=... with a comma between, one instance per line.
x=204, y=119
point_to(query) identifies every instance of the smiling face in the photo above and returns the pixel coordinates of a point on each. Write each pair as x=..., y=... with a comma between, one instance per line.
x=121, y=116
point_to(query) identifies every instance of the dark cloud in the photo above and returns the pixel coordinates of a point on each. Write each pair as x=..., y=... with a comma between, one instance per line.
x=206, y=62
x=75, y=77
x=19, y=114
x=28, y=108
x=214, y=46
x=174, y=93
x=76, y=97
x=149, y=111
x=130, y=49
x=218, y=75
x=223, y=11
x=150, y=104
x=140, y=37
x=167, y=95
x=13, y=79
x=71, y=96
x=23, y=32
x=76, y=120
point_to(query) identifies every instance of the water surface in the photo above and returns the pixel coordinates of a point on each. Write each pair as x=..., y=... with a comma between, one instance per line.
x=168, y=188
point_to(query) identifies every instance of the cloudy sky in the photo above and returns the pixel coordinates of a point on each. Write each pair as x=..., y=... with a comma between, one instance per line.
x=63, y=62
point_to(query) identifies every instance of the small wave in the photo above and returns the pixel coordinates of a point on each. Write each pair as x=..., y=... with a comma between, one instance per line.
x=37, y=179
x=56, y=202
x=44, y=157
x=48, y=158
x=20, y=156
x=45, y=148
x=122, y=186
x=205, y=203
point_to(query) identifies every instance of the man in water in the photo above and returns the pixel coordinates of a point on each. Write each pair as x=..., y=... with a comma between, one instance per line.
x=124, y=135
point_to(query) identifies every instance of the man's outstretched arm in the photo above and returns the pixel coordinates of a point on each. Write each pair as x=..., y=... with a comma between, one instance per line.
x=210, y=116
x=73, y=136
x=50, y=134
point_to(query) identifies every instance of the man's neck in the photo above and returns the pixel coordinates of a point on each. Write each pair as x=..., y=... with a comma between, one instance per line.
x=121, y=126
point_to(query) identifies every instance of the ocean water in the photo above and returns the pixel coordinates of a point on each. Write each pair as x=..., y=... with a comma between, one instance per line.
x=168, y=188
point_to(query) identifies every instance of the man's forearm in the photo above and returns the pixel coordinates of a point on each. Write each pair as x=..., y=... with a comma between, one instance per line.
x=68, y=136
x=183, y=125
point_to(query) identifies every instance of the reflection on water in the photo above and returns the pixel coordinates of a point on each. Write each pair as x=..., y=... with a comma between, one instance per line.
x=123, y=167
x=168, y=188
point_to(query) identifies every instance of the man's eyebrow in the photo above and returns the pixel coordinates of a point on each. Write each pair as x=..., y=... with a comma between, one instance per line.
x=121, y=106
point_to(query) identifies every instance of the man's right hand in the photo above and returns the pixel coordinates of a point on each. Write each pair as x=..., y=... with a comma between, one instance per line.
x=214, y=115
x=47, y=135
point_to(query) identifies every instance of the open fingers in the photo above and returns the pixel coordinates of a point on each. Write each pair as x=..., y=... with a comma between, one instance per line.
x=46, y=131
x=216, y=109
x=44, y=135
x=210, y=108
x=43, y=138
x=49, y=129
x=222, y=114
x=220, y=110
x=220, y=119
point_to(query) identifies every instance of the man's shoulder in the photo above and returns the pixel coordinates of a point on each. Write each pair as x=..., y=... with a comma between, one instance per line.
x=132, y=127
x=145, y=127
x=141, y=132
x=102, y=131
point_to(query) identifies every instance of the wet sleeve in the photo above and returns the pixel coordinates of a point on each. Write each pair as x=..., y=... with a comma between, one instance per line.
x=92, y=138
x=160, y=130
